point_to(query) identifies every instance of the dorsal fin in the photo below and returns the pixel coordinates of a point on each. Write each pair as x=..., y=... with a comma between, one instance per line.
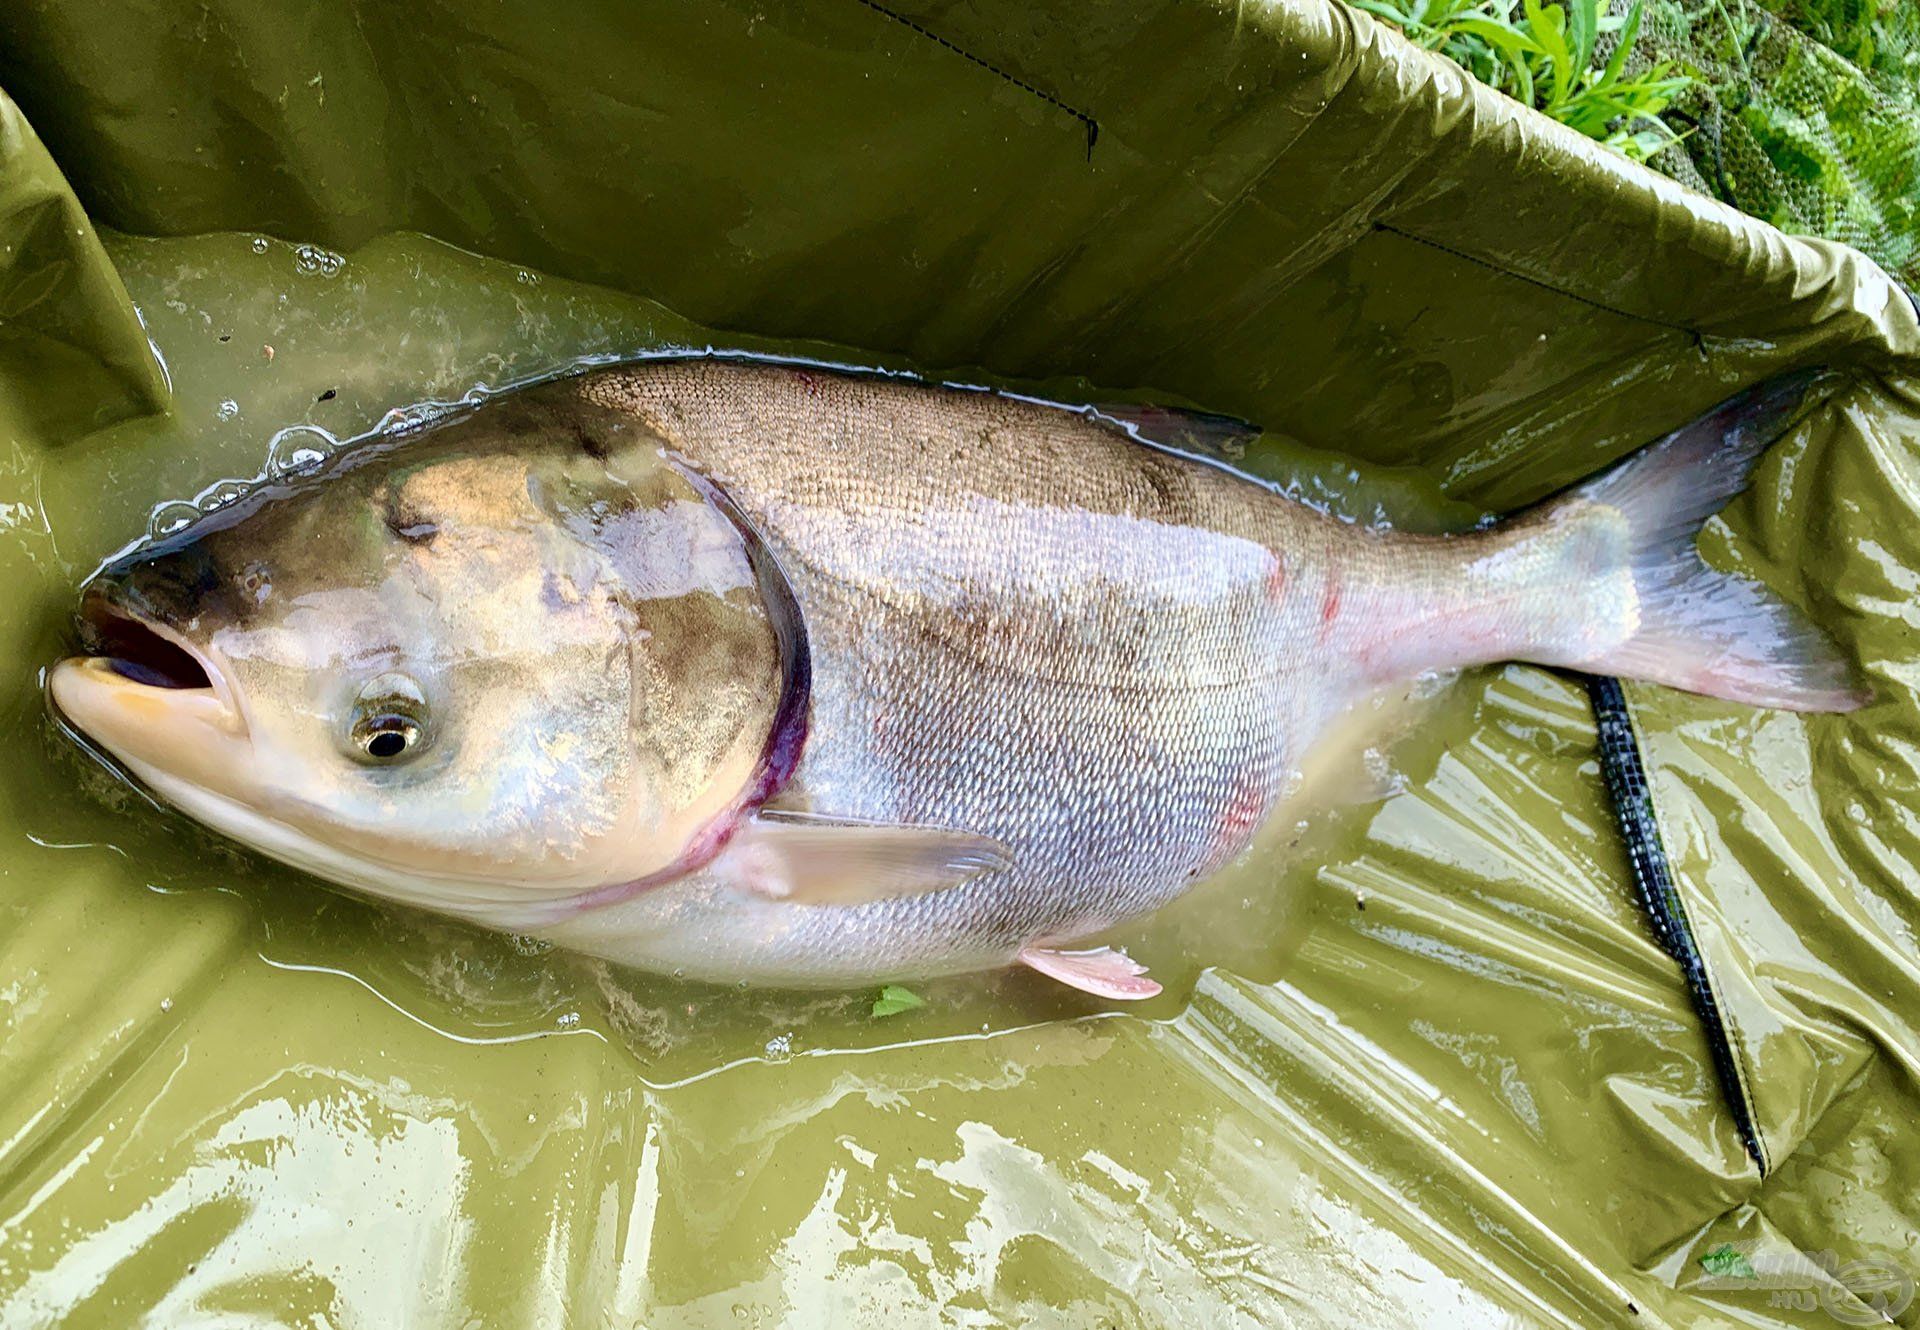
x=1202, y=433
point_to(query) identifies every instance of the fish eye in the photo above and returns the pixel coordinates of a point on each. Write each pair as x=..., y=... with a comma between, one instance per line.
x=389, y=720
x=384, y=738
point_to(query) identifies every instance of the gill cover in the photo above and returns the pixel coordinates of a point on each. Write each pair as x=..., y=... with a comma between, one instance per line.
x=519, y=662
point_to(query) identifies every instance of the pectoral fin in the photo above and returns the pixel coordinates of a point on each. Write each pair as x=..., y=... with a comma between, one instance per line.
x=1101, y=971
x=807, y=859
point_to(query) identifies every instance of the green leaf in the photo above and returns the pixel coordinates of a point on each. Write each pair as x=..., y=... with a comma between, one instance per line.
x=1620, y=52
x=1547, y=26
x=894, y=999
x=1583, y=19
x=1499, y=35
x=1391, y=13
x=1515, y=48
x=1725, y=1261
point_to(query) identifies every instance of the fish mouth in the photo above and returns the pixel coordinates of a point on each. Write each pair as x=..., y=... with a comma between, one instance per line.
x=136, y=648
x=147, y=694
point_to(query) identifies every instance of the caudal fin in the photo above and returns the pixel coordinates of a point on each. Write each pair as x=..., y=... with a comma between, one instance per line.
x=1700, y=629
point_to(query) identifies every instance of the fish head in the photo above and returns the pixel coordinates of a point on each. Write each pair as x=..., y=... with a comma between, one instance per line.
x=484, y=669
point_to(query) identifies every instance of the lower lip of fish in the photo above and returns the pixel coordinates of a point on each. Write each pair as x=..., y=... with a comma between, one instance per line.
x=137, y=720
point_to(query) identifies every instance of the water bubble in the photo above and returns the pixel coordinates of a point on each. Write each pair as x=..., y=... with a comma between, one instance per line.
x=402, y=419
x=171, y=517
x=317, y=262
x=166, y=1004
x=568, y=1019
x=529, y=946
x=227, y=410
x=298, y=449
x=526, y=278
x=259, y=244
x=780, y=1048
x=222, y=494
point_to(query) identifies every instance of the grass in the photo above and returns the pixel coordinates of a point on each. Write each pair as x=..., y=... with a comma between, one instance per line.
x=1550, y=57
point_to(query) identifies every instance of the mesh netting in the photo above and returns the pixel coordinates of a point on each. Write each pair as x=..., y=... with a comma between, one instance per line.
x=1806, y=114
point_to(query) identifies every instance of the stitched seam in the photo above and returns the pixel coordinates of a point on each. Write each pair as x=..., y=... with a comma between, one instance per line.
x=1091, y=125
x=1694, y=333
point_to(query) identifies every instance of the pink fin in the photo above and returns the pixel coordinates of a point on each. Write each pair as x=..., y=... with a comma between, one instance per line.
x=1200, y=432
x=1101, y=971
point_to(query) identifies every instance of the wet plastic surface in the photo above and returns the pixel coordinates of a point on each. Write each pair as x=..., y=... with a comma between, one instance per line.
x=1437, y=1071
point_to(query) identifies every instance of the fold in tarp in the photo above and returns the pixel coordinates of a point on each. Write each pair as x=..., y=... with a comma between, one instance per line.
x=1451, y=1079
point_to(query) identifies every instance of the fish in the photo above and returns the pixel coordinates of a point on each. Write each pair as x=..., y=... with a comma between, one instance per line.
x=774, y=673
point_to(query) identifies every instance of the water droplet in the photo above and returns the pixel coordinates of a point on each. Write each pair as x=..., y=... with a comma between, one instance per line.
x=227, y=410
x=526, y=278
x=166, y=1004
x=780, y=1048
x=568, y=1019
x=317, y=262
x=259, y=244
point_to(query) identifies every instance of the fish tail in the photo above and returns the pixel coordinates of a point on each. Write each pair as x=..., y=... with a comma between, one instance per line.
x=1692, y=626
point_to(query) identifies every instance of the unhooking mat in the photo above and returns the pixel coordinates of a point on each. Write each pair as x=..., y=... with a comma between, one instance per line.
x=1433, y=1070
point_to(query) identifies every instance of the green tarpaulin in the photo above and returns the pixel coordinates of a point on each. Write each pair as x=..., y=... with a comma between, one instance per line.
x=1432, y=1069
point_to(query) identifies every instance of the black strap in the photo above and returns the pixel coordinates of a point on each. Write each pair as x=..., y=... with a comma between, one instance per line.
x=1653, y=885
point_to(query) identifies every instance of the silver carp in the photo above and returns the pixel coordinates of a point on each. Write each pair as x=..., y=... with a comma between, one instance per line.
x=771, y=673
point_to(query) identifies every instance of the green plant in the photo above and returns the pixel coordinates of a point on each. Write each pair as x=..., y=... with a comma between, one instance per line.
x=1728, y=1263
x=1548, y=56
x=894, y=999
